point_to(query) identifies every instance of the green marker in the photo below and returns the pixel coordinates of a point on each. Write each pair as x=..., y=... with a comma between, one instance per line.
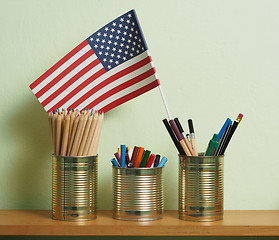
x=212, y=146
x=144, y=159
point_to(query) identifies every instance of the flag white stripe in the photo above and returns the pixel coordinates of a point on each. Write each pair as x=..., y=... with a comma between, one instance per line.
x=114, y=84
x=67, y=77
x=73, y=86
x=105, y=76
x=61, y=69
x=125, y=91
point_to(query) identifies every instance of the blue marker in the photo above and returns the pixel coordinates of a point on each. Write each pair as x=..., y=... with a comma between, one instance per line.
x=163, y=161
x=156, y=161
x=114, y=162
x=223, y=129
x=122, y=156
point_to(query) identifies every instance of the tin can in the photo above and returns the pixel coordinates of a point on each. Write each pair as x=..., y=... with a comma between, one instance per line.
x=137, y=193
x=201, y=185
x=74, y=188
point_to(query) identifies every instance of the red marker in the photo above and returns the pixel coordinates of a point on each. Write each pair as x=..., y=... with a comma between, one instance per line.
x=150, y=160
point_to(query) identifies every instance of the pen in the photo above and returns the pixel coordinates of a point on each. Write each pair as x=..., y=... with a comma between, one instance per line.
x=192, y=136
x=179, y=137
x=173, y=137
x=177, y=122
x=222, y=140
x=185, y=139
x=212, y=146
x=223, y=129
x=231, y=132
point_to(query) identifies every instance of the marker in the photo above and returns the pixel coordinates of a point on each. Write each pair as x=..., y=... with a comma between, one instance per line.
x=179, y=127
x=223, y=129
x=144, y=159
x=184, y=136
x=117, y=155
x=231, y=132
x=188, y=137
x=130, y=165
x=150, y=160
x=114, y=162
x=212, y=146
x=179, y=137
x=157, y=160
x=127, y=158
x=137, y=163
x=173, y=137
x=163, y=161
x=192, y=136
x=134, y=155
x=122, y=156
x=130, y=152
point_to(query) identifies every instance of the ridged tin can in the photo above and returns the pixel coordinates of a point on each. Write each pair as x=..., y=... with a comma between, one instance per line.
x=74, y=188
x=137, y=193
x=201, y=188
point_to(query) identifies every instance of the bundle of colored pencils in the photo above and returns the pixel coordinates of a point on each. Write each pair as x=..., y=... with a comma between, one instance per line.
x=75, y=133
x=136, y=157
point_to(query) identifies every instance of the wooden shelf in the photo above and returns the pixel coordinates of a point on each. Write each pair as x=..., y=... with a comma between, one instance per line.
x=235, y=223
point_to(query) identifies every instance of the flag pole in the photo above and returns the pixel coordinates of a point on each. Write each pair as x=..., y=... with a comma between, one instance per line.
x=165, y=102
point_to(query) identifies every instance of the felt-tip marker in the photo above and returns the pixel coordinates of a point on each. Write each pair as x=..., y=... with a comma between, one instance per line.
x=114, y=162
x=193, y=137
x=212, y=146
x=162, y=162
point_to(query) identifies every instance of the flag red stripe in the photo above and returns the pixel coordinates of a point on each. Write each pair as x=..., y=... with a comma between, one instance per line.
x=110, y=80
x=58, y=64
x=130, y=96
x=70, y=82
x=122, y=86
x=77, y=89
x=64, y=73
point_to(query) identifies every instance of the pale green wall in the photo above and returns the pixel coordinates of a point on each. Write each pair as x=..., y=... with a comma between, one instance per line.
x=214, y=59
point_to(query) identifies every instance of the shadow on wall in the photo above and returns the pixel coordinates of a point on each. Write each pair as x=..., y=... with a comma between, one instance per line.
x=30, y=175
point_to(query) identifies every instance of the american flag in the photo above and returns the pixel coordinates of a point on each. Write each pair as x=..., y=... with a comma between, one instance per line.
x=109, y=68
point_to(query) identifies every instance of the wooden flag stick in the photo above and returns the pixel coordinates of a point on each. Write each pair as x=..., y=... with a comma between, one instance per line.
x=165, y=102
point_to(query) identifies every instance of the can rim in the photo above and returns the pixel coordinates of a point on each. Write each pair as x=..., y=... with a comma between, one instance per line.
x=53, y=155
x=137, y=168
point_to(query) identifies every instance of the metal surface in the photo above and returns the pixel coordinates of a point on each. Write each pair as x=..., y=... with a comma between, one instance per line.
x=137, y=193
x=74, y=188
x=201, y=188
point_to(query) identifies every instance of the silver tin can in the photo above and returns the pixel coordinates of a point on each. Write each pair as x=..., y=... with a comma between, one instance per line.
x=74, y=188
x=137, y=194
x=201, y=188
